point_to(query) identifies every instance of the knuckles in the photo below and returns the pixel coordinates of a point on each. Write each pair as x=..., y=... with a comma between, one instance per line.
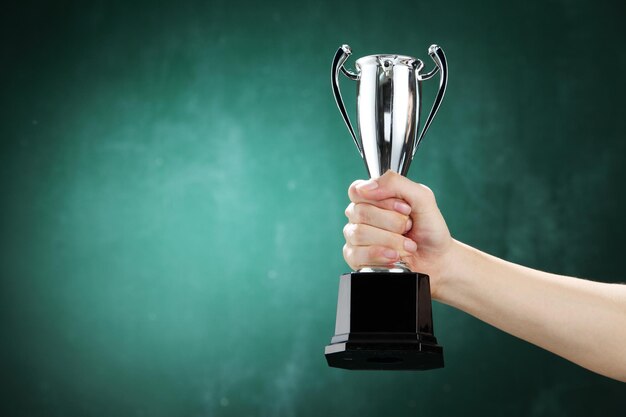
x=352, y=189
x=348, y=255
x=347, y=252
x=349, y=210
x=349, y=232
x=359, y=258
x=353, y=233
x=346, y=231
x=360, y=214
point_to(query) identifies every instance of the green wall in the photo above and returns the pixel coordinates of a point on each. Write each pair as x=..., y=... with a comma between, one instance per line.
x=173, y=177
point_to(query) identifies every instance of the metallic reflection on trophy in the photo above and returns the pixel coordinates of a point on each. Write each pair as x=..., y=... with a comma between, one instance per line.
x=384, y=316
x=388, y=106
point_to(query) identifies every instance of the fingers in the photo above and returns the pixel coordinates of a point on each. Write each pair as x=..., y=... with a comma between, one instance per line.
x=358, y=196
x=361, y=256
x=380, y=225
x=391, y=188
x=366, y=235
x=392, y=220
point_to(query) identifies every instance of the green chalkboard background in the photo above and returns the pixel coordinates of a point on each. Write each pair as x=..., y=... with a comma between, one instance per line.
x=173, y=177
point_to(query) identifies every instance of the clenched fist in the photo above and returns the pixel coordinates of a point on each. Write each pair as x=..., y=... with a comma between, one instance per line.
x=392, y=219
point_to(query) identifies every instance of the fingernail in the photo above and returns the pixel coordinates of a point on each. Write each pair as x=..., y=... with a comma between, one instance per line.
x=409, y=224
x=390, y=253
x=367, y=185
x=409, y=245
x=401, y=207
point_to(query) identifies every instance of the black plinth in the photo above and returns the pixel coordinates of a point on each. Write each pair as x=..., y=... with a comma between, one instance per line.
x=384, y=322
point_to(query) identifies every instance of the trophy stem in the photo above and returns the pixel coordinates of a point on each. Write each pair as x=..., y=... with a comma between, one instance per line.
x=397, y=267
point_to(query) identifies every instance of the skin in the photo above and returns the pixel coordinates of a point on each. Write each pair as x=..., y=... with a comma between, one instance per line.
x=392, y=218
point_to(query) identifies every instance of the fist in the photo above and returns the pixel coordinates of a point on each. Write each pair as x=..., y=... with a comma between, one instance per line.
x=393, y=219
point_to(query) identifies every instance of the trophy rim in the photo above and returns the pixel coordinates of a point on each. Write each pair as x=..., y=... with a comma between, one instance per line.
x=395, y=58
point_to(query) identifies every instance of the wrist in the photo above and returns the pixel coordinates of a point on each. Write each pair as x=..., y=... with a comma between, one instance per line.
x=454, y=264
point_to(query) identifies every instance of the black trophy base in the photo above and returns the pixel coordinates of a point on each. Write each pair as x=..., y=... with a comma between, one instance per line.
x=384, y=322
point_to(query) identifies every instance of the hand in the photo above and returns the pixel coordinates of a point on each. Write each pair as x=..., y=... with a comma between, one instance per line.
x=383, y=228
x=392, y=218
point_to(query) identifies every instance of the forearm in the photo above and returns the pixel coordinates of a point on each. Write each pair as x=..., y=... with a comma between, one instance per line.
x=582, y=321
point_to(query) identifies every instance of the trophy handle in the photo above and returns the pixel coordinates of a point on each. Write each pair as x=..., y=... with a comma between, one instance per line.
x=340, y=58
x=436, y=53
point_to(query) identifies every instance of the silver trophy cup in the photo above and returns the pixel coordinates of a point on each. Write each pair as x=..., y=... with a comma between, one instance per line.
x=389, y=100
x=384, y=315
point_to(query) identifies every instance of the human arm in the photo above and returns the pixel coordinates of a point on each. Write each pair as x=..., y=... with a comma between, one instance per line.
x=580, y=320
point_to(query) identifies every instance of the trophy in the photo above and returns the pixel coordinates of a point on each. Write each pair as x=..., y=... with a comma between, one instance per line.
x=384, y=314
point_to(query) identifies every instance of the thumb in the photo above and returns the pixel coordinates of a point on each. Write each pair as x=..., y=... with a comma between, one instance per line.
x=394, y=185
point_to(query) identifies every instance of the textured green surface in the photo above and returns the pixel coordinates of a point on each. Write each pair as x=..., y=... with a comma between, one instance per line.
x=173, y=179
